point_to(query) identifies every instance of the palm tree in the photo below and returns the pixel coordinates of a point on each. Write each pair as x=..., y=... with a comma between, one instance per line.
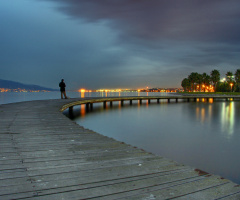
x=230, y=79
x=206, y=80
x=186, y=84
x=237, y=77
x=200, y=81
x=215, y=78
x=193, y=78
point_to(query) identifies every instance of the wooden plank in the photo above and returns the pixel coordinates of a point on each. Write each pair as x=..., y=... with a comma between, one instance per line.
x=45, y=155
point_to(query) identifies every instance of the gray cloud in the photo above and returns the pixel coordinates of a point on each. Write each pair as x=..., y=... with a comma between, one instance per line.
x=97, y=43
x=200, y=20
x=201, y=32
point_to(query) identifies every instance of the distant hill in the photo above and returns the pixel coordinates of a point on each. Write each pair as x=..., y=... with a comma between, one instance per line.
x=15, y=85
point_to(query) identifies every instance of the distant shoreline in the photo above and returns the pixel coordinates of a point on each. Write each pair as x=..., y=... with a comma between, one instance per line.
x=208, y=94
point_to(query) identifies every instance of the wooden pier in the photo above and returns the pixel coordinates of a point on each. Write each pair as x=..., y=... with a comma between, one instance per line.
x=45, y=155
x=90, y=101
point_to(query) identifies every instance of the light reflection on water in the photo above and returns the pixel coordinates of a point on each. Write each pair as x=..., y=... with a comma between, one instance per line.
x=201, y=134
x=228, y=118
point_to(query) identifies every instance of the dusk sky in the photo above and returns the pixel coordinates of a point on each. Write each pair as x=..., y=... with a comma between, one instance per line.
x=97, y=44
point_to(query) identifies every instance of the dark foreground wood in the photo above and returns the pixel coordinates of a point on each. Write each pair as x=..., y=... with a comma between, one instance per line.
x=45, y=155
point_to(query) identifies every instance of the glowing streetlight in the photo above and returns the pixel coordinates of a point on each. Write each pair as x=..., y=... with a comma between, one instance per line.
x=223, y=80
x=231, y=84
x=82, y=90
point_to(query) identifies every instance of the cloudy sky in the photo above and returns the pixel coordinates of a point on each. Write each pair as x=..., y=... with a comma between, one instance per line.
x=117, y=43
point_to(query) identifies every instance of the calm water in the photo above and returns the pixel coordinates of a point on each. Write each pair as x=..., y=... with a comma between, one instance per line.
x=13, y=97
x=200, y=134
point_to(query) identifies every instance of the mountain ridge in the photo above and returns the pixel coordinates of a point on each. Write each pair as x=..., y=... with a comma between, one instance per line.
x=16, y=85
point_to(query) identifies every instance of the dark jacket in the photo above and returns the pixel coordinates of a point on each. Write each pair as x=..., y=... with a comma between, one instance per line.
x=62, y=86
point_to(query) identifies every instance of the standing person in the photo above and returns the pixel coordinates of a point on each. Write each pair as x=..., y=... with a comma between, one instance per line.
x=62, y=86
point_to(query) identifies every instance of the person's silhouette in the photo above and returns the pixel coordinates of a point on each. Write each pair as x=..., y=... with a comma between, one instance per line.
x=62, y=86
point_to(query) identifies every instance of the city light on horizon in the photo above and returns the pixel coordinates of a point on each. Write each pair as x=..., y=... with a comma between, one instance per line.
x=81, y=90
x=133, y=90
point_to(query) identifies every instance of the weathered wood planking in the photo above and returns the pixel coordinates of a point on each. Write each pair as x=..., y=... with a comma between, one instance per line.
x=44, y=155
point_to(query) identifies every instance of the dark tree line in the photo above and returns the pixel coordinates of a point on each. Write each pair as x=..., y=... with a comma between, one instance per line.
x=211, y=83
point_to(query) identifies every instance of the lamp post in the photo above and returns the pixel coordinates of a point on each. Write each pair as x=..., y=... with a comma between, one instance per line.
x=231, y=84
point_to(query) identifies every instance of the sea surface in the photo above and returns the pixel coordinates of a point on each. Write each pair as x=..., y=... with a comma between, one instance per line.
x=204, y=135
x=13, y=97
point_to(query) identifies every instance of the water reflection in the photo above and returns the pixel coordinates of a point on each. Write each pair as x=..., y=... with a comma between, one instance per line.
x=227, y=117
x=147, y=103
x=119, y=105
x=201, y=113
x=200, y=134
x=210, y=112
x=224, y=110
x=82, y=94
x=210, y=100
x=205, y=112
x=83, y=110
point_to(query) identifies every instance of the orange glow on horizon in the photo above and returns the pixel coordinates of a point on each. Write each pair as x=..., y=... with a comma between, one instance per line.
x=82, y=90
